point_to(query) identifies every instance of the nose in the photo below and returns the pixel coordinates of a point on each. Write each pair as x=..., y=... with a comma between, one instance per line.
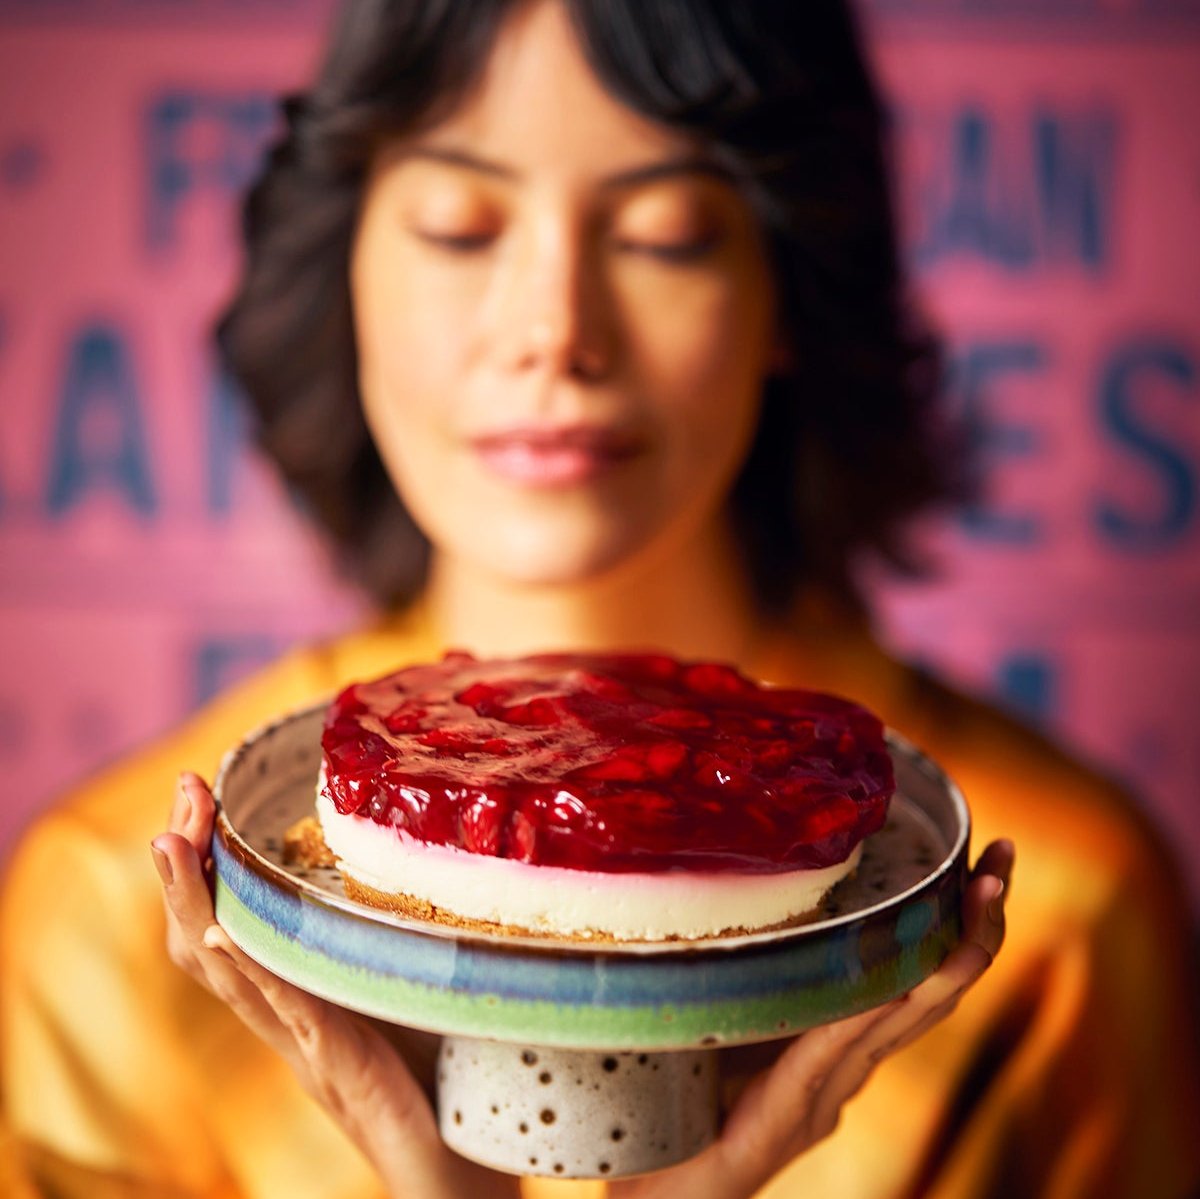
x=553, y=314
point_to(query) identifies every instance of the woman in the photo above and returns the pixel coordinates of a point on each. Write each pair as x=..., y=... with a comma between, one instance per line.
x=602, y=299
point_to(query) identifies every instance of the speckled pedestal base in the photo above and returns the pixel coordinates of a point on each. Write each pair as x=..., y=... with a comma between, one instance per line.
x=570, y=1113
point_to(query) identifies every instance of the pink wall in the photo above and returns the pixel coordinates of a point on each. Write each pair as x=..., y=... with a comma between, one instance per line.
x=1052, y=188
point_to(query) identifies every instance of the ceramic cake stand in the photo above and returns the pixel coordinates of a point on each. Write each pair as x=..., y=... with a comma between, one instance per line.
x=581, y=1059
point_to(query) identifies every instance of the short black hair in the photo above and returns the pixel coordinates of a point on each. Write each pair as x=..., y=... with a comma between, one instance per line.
x=851, y=443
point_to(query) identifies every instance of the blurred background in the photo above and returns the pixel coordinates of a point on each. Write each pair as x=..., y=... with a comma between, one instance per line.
x=1050, y=182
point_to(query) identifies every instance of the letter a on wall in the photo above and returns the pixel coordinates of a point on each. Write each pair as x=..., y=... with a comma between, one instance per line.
x=99, y=439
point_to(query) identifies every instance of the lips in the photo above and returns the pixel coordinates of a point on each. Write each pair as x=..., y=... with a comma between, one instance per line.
x=554, y=456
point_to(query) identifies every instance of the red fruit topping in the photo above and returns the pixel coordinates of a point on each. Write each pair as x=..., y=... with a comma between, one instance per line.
x=680, y=718
x=620, y=762
x=710, y=678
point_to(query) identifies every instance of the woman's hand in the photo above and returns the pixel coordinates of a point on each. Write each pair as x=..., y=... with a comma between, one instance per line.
x=786, y=1109
x=344, y=1061
x=353, y=1069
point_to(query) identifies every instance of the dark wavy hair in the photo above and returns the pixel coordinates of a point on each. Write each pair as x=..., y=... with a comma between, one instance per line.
x=850, y=444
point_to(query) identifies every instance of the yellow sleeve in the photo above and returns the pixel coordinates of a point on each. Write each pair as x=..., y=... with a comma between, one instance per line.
x=1078, y=1065
x=121, y=1076
x=97, y=1087
x=1075, y=1076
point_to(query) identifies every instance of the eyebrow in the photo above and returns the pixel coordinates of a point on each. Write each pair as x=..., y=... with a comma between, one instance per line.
x=666, y=168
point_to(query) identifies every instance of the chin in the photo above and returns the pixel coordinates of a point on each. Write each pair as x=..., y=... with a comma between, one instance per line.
x=556, y=569
x=557, y=560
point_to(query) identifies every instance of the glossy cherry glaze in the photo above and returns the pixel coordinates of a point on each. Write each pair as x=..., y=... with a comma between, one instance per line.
x=631, y=762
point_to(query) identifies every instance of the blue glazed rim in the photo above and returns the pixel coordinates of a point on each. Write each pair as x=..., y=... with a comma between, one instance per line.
x=574, y=994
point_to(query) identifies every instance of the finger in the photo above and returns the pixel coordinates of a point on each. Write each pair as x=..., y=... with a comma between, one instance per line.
x=355, y=1071
x=193, y=811
x=341, y=1061
x=920, y=1012
x=930, y=1002
x=419, y=1050
x=772, y=1119
x=189, y=827
x=844, y=1073
x=740, y=1065
x=908, y=1019
x=186, y=893
x=936, y=996
x=336, y=1045
x=226, y=971
x=180, y=809
x=983, y=922
x=997, y=859
x=187, y=901
x=178, y=949
x=761, y=1132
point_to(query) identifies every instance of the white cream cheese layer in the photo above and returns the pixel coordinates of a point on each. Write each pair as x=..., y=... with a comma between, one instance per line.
x=558, y=901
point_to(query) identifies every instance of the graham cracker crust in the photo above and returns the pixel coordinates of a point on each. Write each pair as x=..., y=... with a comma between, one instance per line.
x=414, y=908
x=304, y=845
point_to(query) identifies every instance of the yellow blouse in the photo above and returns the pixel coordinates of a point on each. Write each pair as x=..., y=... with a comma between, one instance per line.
x=1072, y=1070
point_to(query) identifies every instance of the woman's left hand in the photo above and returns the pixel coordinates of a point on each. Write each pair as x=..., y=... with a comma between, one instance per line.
x=791, y=1106
x=374, y=1081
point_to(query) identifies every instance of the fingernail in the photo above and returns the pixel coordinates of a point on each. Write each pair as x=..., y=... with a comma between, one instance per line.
x=995, y=907
x=162, y=864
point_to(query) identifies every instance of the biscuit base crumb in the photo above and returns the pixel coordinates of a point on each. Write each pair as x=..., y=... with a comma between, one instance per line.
x=414, y=908
x=304, y=845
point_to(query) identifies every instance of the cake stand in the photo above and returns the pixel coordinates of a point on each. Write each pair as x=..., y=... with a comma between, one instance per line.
x=582, y=1059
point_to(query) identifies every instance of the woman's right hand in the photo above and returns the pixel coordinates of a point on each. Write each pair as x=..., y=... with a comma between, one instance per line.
x=345, y=1062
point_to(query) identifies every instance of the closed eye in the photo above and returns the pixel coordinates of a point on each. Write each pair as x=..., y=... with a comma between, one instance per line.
x=457, y=243
x=672, y=252
x=669, y=252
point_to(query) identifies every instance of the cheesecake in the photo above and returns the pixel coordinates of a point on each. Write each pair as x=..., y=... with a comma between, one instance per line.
x=624, y=797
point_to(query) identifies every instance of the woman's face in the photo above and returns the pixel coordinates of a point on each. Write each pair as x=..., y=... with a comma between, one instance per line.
x=564, y=318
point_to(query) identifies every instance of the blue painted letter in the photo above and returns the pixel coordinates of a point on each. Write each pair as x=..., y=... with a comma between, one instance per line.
x=99, y=440
x=977, y=370
x=1130, y=366
x=198, y=140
